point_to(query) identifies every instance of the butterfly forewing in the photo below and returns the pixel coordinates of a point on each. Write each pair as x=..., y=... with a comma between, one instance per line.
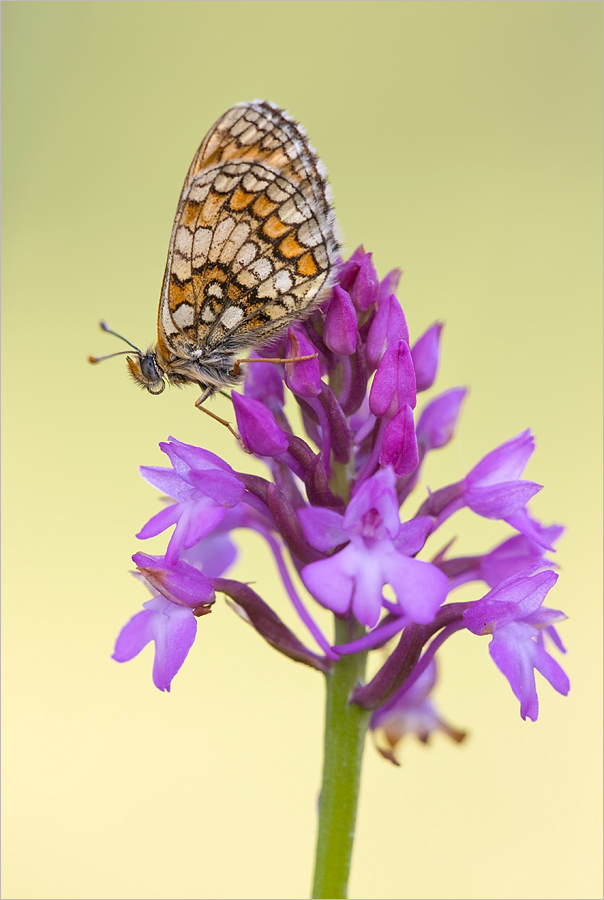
x=253, y=244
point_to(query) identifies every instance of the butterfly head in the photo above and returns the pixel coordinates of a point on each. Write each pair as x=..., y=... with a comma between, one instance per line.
x=146, y=371
x=144, y=367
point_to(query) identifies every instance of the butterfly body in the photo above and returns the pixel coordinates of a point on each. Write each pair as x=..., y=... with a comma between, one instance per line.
x=254, y=247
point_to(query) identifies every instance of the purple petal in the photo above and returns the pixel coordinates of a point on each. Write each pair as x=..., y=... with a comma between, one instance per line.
x=213, y=554
x=438, y=420
x=172, y=628
x=426, y=354
x=509, y=558
x=322, y=527
x=258, y=427
x=378, y=493
x=420, y=587
x=175, y=632
x=516, y=654
x=505, y=463
x=510, y=650
x=544, y=537
x=500, y=501
x=185, y=456
x=412, y=535
x=399, y=446
x=134, y=636
x=218, y=486
x=551, y=670
x=165, y=480
x=329, y=583
x=204, y=517
x=340, y=333
x=159, y=522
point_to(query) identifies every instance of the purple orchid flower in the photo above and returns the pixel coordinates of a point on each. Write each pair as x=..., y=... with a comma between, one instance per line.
x=169, y=619
x=204, y=487
x=376, y=554
x=513, y=613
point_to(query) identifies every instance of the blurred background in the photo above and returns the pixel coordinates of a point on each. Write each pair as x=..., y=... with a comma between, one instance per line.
x=463, y=143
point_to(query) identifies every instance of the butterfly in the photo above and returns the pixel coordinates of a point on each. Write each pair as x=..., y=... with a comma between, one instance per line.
x=254, y=247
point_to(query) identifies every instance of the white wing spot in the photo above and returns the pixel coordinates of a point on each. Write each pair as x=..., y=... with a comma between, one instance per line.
x=207, y=314
x=231, y=316
x=214, y=290
x=262, y=268
x=282, y=281
x=184, y=315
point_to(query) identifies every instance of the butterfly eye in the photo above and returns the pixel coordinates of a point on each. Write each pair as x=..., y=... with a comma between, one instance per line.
x=151, y=371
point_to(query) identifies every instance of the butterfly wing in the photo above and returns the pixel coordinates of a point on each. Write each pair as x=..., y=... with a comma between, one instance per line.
x=254, y=243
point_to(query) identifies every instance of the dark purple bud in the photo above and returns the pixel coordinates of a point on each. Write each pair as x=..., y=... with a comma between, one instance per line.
x=388, y=326
x=399, y=447
x=302, y=378
x=438, y=420
x=338, y=429
x=394, y=381
x=426, y=355
x=268, y=624
x=366, y=285
x=340, y=333
x=258, y=427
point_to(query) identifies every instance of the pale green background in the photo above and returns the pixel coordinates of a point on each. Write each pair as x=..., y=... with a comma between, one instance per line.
x=463, y=142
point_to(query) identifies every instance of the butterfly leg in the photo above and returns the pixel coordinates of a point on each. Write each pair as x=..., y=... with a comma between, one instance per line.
x=270, y=359
x=199, y=404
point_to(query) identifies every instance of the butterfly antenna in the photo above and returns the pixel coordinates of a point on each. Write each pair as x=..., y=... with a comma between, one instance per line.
x=98, y=359
x=105, y=327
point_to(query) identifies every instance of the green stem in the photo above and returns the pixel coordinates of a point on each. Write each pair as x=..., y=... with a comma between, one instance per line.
x=345, y=728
